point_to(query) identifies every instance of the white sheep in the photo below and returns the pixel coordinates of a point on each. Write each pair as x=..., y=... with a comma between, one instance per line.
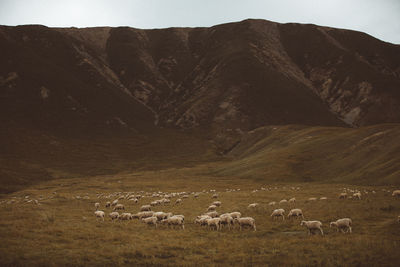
x=178, y=201
x=108, y=204
x=99, y=214
x=283, y=201
x=278, y=213
x=211, y=208
x=212, y=214
x=115, y=202
x=235, y=214
x=161, y=215
x=245, y=221
x=143, y=214
x=145, y=208
x=295, y=213
x=323, y=198
x=252, y=206
x=312, y=199
x=226, y=219
x=202, y=220
x=97, y=205
x=150, y=221
x=342, y=195
x=114, y=215
x=214, y=222
x=119, y=207
x=175, y=220
x=292, y=200
x=217, y=203
x=272, y=203
x=396, y=193
x=313, y=226
x=357, y=195
x=215, y=196
x=125, y=216
x=342, y=224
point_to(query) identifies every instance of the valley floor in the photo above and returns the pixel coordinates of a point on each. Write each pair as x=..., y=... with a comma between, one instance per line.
x=62, y=230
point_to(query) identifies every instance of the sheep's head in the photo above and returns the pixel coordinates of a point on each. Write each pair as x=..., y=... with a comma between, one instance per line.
x=303, y=223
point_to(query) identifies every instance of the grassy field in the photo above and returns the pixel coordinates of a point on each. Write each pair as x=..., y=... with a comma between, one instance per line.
x=62, y=229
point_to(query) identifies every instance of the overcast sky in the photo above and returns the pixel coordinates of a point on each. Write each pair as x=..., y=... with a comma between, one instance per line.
x=380, y=18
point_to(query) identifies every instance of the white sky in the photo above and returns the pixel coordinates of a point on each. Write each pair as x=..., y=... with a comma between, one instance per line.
x=379, y=18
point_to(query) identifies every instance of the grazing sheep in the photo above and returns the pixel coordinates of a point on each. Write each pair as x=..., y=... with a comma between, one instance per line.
x=226, y=219
x=119, y=207
x=99, y=214
x=97, y=205
x=312, y=226
x=235, y=214
x=214, y=222
x=178, y=201
x=202, y=220
x=125, y=216
x=211, y=208
x=278, y=213
x=150, y=221
x=175, y=220
x=323, y=198
x=357, y=195
x=292, y=200
x=212, y=214
x=217, y=203
x=108, y=204
x=272, y=203
x=396, y=193
x=185, y=196
x=295, y=213
x=342, y=224
x=161, y=215
x=114, y=215
x=312, y=199
x=246, y=221
x=215, y=196
x=115, y=202
x=342, y=195
x=144, y=214
x=283, y=201
x=145, y=208
x=252, y=205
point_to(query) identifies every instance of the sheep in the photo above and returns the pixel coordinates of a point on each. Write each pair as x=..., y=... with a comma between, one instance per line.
x=226, y=219
x=144, y=214
x=108, y=204
x=245, y=221
x=214, y=222
x=114, y=215
x=202, y=220
x=97, y=205
x=115, y=202
x=150, y=221
x=211, y=208
x=278, y=213
x=342, y=195
x=178, y=201
x=252, y=205
x=312, y=199
x=99, y=214
x=357, y=195
x=119, y=207
x=312, y=226
x=215, y=196
x=212, y=214
x=283, y=201
x=323, y=198
x=217, y=203
x=342, y=224
x=272, y=203
x=161, y=215
x=125, y=216
x=175, y=220
x=295, y=213
x=292, y=200
x=145, y=208
x=396, y=193
x=235, y=214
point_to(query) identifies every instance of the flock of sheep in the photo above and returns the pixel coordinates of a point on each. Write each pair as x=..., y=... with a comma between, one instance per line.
x=211, y=219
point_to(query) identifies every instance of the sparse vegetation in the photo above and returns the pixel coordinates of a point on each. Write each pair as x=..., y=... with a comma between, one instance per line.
x=62, y=229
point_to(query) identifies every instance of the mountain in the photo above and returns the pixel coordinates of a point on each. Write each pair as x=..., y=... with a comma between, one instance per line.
x=100, y=100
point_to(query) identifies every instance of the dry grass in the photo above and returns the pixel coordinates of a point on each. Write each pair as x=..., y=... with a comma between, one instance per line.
x=63, y=231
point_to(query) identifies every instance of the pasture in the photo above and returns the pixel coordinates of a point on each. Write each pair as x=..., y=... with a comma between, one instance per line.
x=62, y=230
